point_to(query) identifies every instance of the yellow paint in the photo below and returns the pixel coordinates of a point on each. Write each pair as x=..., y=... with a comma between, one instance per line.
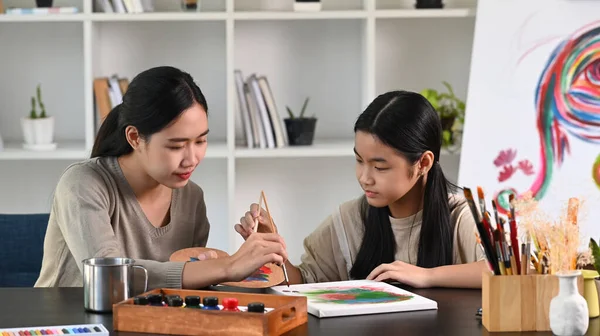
x=590, y=292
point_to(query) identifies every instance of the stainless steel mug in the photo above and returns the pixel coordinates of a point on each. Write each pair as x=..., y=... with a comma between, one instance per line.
x=107, y=281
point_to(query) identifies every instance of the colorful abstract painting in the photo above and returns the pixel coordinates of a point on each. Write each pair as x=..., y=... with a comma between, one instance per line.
x=356, y=295
x=532, y=124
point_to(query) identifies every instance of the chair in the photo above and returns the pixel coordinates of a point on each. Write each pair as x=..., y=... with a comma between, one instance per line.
x=22, y=248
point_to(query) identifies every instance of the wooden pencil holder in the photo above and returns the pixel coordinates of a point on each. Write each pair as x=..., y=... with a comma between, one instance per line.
x=518, y=302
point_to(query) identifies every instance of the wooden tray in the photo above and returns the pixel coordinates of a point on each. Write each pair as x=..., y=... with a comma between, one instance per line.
x=288, y=313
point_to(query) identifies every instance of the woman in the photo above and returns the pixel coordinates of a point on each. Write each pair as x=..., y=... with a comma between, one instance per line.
x=407, y=227
x=134, y=199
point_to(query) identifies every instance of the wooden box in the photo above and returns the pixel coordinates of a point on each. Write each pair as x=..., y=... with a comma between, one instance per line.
x=288, y=313
x=518, y=302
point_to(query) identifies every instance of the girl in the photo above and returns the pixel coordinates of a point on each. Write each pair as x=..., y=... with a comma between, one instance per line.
x=133, y=198
x=406, y=227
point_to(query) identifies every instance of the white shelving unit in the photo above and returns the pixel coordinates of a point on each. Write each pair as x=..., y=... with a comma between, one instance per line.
x=342, y=57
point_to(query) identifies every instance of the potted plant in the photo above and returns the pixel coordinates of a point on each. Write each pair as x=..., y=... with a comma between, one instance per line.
x=38, y=130
x=300, y=129
x=429, y=4
x=451, y=110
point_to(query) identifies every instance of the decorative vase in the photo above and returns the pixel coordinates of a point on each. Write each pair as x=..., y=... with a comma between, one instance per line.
x=568, y=310
x=43, y=3
x=429, y=4
x=301, y=131
x=590, y=292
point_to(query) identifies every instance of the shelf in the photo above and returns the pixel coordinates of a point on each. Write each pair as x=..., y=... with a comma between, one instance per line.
x=68, y=150
x=73, y=150
x=425, y=13
x=290, y=15
x=156, y=16
x=243, y=16
x=43, y=18
x=340, y=148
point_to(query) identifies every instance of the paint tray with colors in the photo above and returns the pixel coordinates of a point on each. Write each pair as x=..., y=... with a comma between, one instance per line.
x=358, y=297
x=181, y=312
x=80, y=329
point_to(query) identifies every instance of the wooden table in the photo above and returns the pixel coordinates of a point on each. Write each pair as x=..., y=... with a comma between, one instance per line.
x=29, y=307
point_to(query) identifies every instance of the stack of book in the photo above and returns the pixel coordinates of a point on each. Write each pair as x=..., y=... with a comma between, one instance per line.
x=261, y=124
x=108, y=93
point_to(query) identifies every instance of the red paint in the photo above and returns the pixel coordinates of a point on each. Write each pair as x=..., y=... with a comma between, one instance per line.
x=230, y=304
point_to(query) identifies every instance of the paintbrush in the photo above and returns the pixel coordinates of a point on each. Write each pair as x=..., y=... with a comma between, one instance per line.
x=481, y=197
x=260, y=199
x=483, y=234
x=264, y=198
x=514, y=242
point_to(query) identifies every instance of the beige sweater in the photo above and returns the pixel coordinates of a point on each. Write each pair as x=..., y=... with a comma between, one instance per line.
x=96, y=214
x=330, y=251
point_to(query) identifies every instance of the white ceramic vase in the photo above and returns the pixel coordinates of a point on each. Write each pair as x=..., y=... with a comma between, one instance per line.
x=568, y=310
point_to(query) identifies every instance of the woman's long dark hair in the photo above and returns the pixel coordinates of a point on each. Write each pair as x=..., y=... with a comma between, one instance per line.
x=407, y=122
x=153, y=100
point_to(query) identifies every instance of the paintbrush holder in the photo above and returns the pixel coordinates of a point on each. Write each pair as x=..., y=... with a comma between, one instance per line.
x=518, y=302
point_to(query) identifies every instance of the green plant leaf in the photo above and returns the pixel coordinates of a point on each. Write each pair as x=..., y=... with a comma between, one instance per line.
x=449, y=88
x=595, y=253
x=447, y=137
x=304, y=107
x=33, y=113
x=432, y=96
x=289, y=111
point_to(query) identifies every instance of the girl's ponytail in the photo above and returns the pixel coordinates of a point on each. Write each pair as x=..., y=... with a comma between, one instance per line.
x=436, y=240
x=110, y=140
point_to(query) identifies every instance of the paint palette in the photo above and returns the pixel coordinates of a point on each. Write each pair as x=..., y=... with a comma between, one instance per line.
x=83, y=329
x=267, y=276
x=359, y=297
x=281, y=314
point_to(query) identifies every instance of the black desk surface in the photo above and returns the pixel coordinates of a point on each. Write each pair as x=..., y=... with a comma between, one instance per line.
x=30, y=307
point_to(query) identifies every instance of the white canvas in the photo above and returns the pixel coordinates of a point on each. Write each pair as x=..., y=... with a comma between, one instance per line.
x=513, y=47
x=325, y=305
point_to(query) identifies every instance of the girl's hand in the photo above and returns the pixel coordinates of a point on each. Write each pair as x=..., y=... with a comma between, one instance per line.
x=408, y=274
x=247, y=223
x=259, y=249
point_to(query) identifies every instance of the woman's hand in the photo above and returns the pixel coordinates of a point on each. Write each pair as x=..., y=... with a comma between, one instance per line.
x=258, y=249
x=247, y=223
x=408, y=274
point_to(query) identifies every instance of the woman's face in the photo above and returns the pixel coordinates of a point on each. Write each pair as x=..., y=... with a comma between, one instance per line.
x=383, y=174
x=171, y=155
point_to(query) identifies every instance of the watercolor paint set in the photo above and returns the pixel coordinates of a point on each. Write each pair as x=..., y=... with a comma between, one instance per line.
x=358, y=297
x=199, y=312
x=80, y=329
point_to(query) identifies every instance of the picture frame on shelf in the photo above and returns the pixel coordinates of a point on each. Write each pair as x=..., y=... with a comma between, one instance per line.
x=429, y=4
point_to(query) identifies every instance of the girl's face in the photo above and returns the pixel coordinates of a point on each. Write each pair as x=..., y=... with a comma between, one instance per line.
x=171, y=155
x=383, y=174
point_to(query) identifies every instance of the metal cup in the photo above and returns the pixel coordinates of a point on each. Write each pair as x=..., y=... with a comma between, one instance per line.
x=107, y=281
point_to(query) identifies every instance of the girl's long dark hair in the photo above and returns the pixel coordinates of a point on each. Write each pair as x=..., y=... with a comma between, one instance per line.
x=153, y=100
x=407, y=122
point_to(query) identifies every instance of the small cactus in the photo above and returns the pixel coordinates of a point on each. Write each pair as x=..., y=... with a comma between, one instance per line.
x=33, y=113
x=42, y=107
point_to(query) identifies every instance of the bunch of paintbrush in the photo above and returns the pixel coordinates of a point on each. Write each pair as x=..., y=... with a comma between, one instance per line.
x=503, y=252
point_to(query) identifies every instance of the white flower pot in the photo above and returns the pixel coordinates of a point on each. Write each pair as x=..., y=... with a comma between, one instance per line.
x=38, y=132
x=568, y=310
